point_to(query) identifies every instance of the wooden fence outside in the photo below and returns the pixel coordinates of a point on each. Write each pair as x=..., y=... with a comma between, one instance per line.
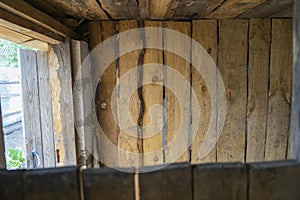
x=271, y=180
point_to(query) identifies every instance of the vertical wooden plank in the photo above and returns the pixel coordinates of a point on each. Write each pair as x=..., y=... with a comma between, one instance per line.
x=274, y=180
x=220, y=181
x=294, y=144
x=153, y=96
x=280, y=89
x=62, y=98
x=130, y=144
x=11, y=185
x=46, y=111
x=259, y=55
x=177, y=112
x=163, y=9
x=206, y=34
x=2, y=144
x=106, y=183
x=31, y=105
x=232, y=63
x=59, y=183
x=170, y=182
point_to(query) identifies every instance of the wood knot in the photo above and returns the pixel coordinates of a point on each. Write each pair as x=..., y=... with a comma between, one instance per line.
x=203, y=88
x=209, y=50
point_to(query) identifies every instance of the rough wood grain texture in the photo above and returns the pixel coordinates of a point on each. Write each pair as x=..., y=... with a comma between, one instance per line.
x=280, y=89
x=117, y=9
x=232, y=63
x=2, y=144
x=287, y=13
x=31, y=105
x=294, y=147
x=46, y=112
x=153, y=97
x=37, y=44
x=267, y=8
x=103, y=100
x=233, y=8
x=47, y=7
x=129, y=142
x=220, y=181
x=259, y=52
x=206, y=34
x=195, y=9
x=144, y=9
x=28, y=12
x=11, y=186
x=106, y=183
x=26, y=27
x=177, y=109
x=267, y=180
x=59, y=183
x=13, y=36
x=61, y=88
x=170, y=182
x=163, y=9
x=88, y=9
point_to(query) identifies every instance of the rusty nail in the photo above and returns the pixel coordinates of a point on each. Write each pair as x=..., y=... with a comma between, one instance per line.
x=103, y=105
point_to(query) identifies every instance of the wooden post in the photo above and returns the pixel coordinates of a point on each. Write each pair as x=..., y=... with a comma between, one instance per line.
x=2, y=146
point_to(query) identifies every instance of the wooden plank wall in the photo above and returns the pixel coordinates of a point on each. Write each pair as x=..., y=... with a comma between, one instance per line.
x=254, y=58
x=270, y=180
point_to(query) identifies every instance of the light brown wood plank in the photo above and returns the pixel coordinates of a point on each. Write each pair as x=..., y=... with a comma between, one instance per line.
x=130, y=143
x=205, y=33
x=232, y=63
x=88, y=9
x=233, y=8
x=46, y=111
x=144, y=9
x=13, y=36
x=259, y=52
x=177, y=109
x=267, y=8
x=287, y=13
x=163, y=9
x=280, y=89
x=28, y=12
x=153, y=96
x=31, y=105
x=43, y=46
x=195, y=9
x=121, y=9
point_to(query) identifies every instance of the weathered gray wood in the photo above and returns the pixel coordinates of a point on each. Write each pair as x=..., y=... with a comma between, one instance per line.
x=59, y=183
x=62, y=98
x=2, y=145
x=258, y=72
x=46, y=112
x=31, y=105
x=220, y=181
x=294, y=150
x=106, y=183
x=274, y=180
x=11, y=186
x=120, y=8
x=170, y=182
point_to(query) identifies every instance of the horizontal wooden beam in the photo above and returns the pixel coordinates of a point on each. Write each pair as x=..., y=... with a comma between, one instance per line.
x=28, y=12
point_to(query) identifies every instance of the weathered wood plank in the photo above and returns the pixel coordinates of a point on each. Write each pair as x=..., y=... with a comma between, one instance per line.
x=11, y=186
x=294, y=145
x=220, y=181
x=144, y=9
x=129, y=140
x=106, y=183
x=47, y=7
x=232, y=63
x=163, y=9
x=206, y=34
x=2, y=144
x=46, y=113
x=170, y=182
x=267, y=8
x=62, y=99
x=59, y=183
x=31, y=105
x=259, y=52
x=119, y=9
x=233, y=8
x=287, y=13
x=177, y=113
x=37, y=44
x=88, y=9
x=28, y=12
x=280, y=89
x=153, y=96
x=274, y=180
x=13, y=36
x=26, y=27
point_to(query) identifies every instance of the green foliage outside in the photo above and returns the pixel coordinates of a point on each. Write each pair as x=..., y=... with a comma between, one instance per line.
x=15, y=159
